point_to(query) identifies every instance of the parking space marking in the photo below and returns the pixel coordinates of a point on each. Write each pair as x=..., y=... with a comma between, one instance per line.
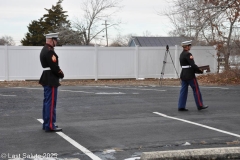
x=76, y=91
x=215, y=87
x=140, y=89
x=76, y=144
x=110, y=93
x=28, y=88
x=197, y=124
x=4, y=95
x=203, y=87
x=107, y=87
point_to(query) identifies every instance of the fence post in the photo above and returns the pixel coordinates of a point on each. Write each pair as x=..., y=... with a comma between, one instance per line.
x=96, y=62
x=176, y=61
x=6, y=63
x=215, y=60
x=136, y=61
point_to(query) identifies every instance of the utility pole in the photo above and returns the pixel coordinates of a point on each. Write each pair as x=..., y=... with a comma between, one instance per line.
x=106, y=31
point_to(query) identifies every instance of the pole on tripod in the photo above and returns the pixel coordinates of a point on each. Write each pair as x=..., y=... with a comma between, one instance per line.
x=174, y=65
x=164, y=63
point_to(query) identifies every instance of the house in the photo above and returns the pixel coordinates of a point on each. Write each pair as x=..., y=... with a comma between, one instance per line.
x=155, y=41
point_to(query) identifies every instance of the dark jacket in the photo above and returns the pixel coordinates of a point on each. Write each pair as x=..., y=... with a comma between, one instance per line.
x=186, y=59
x=49, y=58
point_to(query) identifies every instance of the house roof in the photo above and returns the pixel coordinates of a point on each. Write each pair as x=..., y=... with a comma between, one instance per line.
x=156, y=41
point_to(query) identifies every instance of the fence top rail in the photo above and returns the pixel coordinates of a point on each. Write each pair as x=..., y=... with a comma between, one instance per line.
x=92, y=47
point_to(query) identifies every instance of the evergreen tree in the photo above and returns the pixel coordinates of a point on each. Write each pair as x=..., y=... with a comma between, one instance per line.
x=55, y=18
x=35, y=35
x=50, y=22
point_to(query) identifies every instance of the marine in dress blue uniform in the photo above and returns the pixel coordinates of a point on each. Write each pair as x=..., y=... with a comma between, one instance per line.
x=189, y=68
x=50, y=82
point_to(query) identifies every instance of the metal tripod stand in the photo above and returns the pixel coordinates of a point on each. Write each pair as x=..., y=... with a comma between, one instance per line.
x=164, y=64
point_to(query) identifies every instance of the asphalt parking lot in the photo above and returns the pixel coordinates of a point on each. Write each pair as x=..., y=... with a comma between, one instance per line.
x=116, y=122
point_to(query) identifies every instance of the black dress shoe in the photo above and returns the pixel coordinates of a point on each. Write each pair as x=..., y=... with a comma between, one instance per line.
x=55, y=126
x=202, y=107
x=54, y=130
x=182, y=109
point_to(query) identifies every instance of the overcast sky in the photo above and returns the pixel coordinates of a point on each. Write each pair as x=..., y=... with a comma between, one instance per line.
x=138, y=16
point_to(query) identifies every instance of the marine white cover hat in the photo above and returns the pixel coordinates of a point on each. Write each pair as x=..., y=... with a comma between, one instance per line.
x=52, y=35
x=186, y=43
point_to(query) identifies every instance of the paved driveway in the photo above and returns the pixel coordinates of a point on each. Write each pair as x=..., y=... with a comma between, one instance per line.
x=116, y=122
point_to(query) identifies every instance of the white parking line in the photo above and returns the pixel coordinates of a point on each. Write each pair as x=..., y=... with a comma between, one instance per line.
x=203, y=87
x=104, y=93
x=215, y=87
x=140, y=89
x=4, y=95
x=110, y=93
x=28, y=88
x=77, y=145
x=75, y=91
x=198, y=124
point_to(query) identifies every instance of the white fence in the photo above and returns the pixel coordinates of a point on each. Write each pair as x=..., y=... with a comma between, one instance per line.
x=22, y=62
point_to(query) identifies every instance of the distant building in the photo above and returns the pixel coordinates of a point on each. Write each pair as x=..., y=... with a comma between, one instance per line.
x=155, y=41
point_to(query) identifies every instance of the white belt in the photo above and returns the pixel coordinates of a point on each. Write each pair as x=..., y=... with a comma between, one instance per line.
x=46, y=69
x=186, y=66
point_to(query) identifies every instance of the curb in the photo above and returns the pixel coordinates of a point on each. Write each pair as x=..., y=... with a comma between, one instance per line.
x=194, y=154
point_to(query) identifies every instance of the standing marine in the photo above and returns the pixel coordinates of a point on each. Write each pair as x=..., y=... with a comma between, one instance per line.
x=50, y=82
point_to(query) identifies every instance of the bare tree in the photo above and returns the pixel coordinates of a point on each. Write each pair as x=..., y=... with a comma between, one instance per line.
x=212, y=21
x=147, y=33
x=223, y=18
x=121, y=41
x=7, y=40
x=70, y=37
x=181, y=18
x=96, y=12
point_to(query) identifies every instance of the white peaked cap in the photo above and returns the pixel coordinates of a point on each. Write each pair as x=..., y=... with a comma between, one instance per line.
x=52, y=35
x=186, y=43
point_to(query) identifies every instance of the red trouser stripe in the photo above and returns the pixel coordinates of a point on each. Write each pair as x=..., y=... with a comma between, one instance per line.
x=197, y=92
x=51, y=109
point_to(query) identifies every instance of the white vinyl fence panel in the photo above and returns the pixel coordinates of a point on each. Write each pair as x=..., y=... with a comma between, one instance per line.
x=2, y=63
x=22, y=62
